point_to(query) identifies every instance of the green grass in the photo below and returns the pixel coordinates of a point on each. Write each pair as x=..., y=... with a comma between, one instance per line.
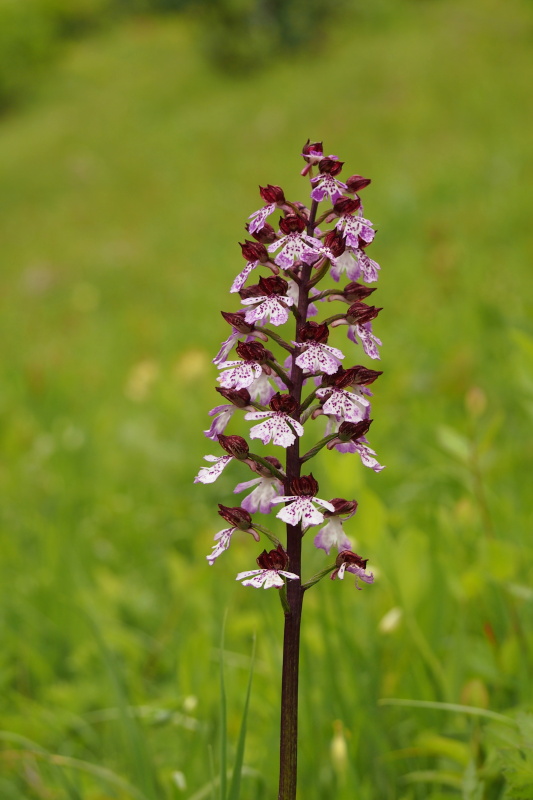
x=125, y=185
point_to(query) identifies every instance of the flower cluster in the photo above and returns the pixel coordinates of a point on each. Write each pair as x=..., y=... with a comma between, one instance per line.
x=285, y=383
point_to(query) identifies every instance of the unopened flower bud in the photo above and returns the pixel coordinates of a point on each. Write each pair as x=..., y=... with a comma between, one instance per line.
x=331, y=166
x=359, y=313
x=356, y=182
x=265, y=235
x=292, y=223
x=253, y=351
x=238, y=517
x=235, y=446
x=352, y=431
x=275, y=559
x=346, y=205
x=239, y=397
x=356, y=291
x=272, y=194
x=305, y=486
x=342, y=507
x=237, y=321
x=358, y=376
x=254, y=251
x=284, y=403
x=313, y=332
x=252, y=290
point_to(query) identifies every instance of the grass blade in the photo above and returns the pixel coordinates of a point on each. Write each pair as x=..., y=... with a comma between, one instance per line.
x=455, y=707
x=235, y=786
x=223, y=719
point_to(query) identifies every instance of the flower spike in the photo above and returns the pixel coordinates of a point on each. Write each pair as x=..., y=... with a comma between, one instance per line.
x=285, y=392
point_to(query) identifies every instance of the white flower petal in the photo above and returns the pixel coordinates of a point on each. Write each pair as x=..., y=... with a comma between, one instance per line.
x=223, y=540
x=241, y=376
x=209, y=475
x=272, y=578
x=240, y=280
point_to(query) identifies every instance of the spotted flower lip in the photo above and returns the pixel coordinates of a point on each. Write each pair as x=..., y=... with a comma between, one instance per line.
x=301, y=509
x=355, y=263
x=277, y=427
x=268, y=309
x=317, y=357
x=210, y=474
x=332, y=535
x=239, y=374
x=348, y=406
x=325, y=183
x=265, y=489
x=271, y=302
x=296, y=245
x=265, y=578
x=272, y=565
x=223, y=541
x=274, y=197
x=355, y=228
x=235, y=446
x=222, y=415
x=368, y=339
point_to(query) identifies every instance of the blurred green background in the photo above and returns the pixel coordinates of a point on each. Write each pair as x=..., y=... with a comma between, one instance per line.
x=133, y=137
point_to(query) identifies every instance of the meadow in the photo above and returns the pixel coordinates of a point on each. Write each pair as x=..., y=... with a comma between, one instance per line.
x=126, y=179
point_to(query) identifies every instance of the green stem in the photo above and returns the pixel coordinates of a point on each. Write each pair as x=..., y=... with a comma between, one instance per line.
x=319, y=275
x=275, y=338
x=318, y=577
x=329, y=320
x=317, y=448
x=308, y=400
x=274, y=539
x=325, y=293
x=280, y=373
x=283, y=598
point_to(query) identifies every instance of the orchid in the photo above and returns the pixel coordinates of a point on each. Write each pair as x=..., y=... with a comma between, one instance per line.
x=285, y=382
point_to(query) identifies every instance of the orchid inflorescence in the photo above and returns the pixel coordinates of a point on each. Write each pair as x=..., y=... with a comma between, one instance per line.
x=267, y=386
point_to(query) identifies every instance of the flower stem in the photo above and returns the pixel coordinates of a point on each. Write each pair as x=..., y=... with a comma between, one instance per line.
x=318, y=446
x=276, y=337
x=281, y=373
x=295, y=591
